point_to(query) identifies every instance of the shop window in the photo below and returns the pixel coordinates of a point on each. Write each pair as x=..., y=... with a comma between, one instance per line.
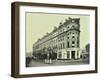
x=77, y=44
x=68, y=54
x=77, y=53
x=60, y=55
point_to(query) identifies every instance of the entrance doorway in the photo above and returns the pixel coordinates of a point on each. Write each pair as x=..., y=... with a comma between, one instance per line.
x=73, y=54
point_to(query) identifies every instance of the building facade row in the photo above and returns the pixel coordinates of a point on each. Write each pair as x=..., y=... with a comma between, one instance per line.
x=64, y=40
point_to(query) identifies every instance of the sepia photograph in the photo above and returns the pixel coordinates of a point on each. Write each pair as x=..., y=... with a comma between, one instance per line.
x=56, y=39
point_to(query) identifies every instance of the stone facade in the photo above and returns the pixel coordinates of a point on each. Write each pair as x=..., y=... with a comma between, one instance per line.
x=64, y=40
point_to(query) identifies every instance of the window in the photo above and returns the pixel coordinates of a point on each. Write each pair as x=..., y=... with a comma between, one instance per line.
x=73, y=42
x=73, y=26
x=73, y=36
x=77, y=53
x=63, y=29
x=77, y=38
x=60, y=55
x=56, y=46
x=68, y=44
x=68, y=54
x=77, y=43
x=73, y=46
x=63, y=38
x=56, y=40
x=63, y=45
x=59, y=46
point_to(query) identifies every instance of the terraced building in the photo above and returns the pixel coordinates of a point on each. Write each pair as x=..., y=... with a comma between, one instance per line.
x=64, y=40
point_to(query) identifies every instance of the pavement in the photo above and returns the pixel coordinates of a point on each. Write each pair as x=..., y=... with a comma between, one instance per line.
x=35, y=63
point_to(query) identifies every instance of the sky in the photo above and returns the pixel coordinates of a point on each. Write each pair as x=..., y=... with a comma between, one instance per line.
x=38, y=24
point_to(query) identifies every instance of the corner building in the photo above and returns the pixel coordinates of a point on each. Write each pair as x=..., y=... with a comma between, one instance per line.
x=64, y=40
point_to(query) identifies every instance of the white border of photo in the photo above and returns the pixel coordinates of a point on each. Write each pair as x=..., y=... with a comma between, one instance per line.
x=53, y=69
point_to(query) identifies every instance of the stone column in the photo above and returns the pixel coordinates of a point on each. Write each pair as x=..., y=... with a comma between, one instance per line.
x=78, y=54
x=66, y=55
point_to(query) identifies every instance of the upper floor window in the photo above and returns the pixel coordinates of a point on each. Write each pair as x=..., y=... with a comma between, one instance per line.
x=68, y=44
x=73, y=42
x=56, y=40
x=73, y=33
x=63, y=38
x=73, y=36
x=73, y=26
x=63, y=29
x=67, y=26
x=73, y=46
x=63, y=45
x=77, y=43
